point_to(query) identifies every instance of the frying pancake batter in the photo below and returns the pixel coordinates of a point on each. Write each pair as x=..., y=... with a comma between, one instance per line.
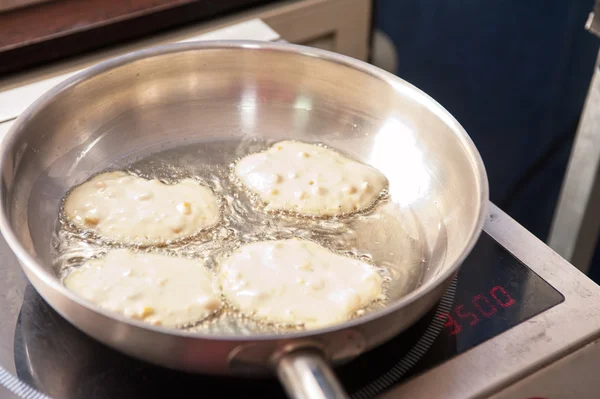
x=159, y=289
x=297, y=282
x=123, y=207
x=309, y=179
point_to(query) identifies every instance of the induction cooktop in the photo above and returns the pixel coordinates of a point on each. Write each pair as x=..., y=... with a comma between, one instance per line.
x=492, y=293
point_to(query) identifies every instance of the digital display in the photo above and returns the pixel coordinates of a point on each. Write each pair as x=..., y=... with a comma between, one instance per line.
x=494, y=292
x=480, y=308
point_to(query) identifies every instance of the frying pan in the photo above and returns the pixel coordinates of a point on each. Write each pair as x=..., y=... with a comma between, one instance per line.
x=218, y=101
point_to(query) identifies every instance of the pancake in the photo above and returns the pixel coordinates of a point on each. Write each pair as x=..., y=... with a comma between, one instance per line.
x=130, y=209
x=158, y=289
x=309, y=180
x=297, y=282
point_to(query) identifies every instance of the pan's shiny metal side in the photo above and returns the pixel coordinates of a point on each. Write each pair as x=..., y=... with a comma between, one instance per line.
x=178, y=94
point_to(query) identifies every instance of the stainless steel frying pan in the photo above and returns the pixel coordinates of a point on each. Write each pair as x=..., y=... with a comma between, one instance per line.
x=228, y=98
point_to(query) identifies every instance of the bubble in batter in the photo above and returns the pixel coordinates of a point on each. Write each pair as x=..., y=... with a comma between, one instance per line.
x=310, y=180
x=297, y=282
x=127, y=208
x=159, y=289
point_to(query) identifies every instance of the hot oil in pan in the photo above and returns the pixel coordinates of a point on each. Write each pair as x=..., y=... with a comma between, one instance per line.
x=387, y=235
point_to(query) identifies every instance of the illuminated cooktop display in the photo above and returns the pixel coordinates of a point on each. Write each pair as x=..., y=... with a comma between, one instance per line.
x=492, y=293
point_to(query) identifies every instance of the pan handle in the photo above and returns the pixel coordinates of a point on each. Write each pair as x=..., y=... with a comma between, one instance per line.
x=305, y=374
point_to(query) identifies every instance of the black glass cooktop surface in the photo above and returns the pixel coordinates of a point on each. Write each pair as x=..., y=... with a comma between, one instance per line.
x=492, y=293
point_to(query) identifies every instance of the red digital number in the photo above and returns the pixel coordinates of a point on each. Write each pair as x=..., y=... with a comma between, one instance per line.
x=506, y=300
x=450, y=323
x=491, y=309
x=484, y=307
x=468, y=315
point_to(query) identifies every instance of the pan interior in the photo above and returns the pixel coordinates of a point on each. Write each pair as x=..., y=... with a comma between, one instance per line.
x=193, y=111
x=388, y=236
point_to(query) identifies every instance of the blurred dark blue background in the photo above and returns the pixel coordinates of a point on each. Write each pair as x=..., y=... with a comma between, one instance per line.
x=515, y=73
